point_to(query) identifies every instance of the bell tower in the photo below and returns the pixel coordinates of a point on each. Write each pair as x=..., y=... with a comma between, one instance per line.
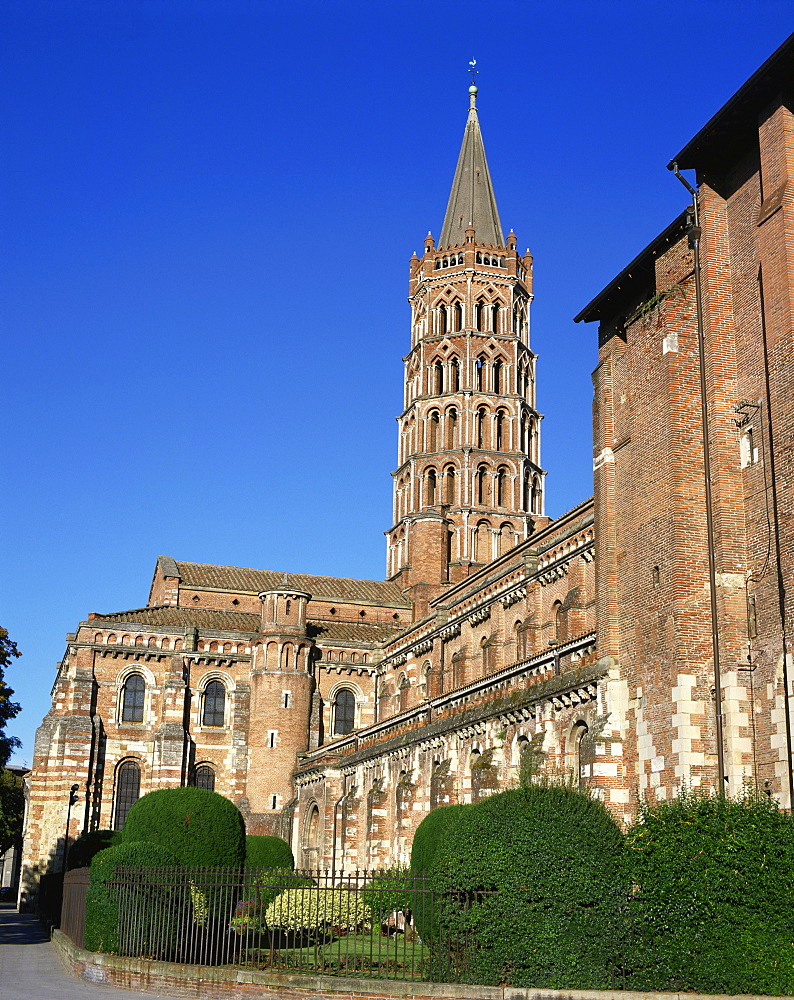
x=468, y=485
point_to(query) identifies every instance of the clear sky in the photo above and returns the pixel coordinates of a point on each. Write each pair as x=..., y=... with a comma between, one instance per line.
x=209, y=207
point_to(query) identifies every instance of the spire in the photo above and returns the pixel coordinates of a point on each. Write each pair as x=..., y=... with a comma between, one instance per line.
x=472, y=201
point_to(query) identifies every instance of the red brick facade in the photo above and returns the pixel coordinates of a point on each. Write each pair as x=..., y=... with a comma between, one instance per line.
x=338, y=712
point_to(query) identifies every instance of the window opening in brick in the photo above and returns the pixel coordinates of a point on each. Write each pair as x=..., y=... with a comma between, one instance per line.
x=204, y=777
x=132, y=699
x=214, y=708
x=344, y=712
x=128, y=789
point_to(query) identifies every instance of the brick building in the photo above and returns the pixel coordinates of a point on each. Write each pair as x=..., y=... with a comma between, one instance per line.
x=637, y=642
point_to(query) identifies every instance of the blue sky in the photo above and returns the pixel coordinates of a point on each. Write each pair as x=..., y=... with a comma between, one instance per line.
x=209, y=207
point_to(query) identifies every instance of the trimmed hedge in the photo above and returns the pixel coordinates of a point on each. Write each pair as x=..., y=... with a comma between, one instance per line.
x=716, y=896
x=530, y=890
x=83, y=850
x=267, y=852
x=430, y=834
x=102, y=914
x=200, y=827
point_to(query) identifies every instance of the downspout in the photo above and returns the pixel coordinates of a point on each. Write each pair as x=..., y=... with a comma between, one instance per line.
x=694, y=242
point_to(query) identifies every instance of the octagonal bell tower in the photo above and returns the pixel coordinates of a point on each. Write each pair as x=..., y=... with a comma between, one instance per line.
x=469, y=484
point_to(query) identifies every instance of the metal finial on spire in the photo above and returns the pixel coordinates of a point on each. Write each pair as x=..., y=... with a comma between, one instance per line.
x=472, y=70
x=473, y=88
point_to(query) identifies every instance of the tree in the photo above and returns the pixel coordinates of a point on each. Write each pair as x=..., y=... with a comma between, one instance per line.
x=12, y=809
x=8, y=708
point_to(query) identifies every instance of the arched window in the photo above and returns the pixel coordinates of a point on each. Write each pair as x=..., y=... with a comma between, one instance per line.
x=560, y=622
x=132, y=698
x=482, y=542
x=438, y=370
x=442, y=319
x=482, y=484
x=480, y=374
x=214, y=707
x=204, y=777
x=501, y=487
x=449, y=485
x=580, y=730
x=499, y=430
x=128, y=789
x=457, y=317
x=505, y=538
x=486, y=651
x=479, y=427
x=454, y=373
x=536, y=498
x=432, y=488
x=450, y=431
x=496, y=370
x=432, y=431
x=344, y=712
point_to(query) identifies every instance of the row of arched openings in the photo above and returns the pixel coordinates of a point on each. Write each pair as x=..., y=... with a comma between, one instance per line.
x=491, y=431
x=212, y=701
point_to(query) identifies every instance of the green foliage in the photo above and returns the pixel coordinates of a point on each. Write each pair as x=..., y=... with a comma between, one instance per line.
x=316, y=908
x=267, y=852
x=12, y=808
x=388, y=890
x=8, y=709
x=430, y=833
x=529, y=886
x=200, y=827
x=83, y=850
x=102, y=902
x=715, y=908
x=260, y=891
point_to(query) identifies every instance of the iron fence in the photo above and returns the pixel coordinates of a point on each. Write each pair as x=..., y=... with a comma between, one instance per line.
x=380, y=924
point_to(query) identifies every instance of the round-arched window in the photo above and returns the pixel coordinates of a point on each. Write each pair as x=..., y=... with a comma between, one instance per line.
x=214, y=707
x=132, y=698
x=344, y=712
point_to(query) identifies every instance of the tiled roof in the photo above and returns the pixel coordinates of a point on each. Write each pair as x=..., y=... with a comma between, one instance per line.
x=167, y=615
x=336, y=588
x=240, y=621
x=340, y=631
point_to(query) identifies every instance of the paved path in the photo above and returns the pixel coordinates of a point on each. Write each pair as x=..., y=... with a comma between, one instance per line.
x=30, y=968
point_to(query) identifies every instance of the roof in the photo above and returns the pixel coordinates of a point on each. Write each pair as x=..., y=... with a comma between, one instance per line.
x=472, y=201
x=168, y=616
x=175, y=617
x=735, y=125
x=237, y=579
x=622, y=290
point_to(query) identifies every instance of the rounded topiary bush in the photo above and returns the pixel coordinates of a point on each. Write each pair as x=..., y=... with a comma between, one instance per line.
x=429, y=835
x=89, y=844
x=715, y=907
x=201, y=827
x=102, y=903
x=529, y=890
x=267, y=852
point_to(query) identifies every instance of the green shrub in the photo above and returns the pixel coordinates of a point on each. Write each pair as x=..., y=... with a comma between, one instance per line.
x=315, y=908
x=429, y=835
x=530, y=886
x=260, y=891
x=267, y=852
x=715, y=908
x=90, y=843
x=102, y=903
x=201, y=827
x=390, y=890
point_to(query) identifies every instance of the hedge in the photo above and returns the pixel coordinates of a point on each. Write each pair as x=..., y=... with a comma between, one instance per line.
x=530, y=890
x=200, y=827
x=715, y=905
x=83, y=850
x=429, y=835
x=267, y=852
x=102, y=913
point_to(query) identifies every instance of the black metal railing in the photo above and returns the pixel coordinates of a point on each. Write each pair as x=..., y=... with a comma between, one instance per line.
x=378, y=924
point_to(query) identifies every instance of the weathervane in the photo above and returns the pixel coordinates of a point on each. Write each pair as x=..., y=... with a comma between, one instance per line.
x=472, y=70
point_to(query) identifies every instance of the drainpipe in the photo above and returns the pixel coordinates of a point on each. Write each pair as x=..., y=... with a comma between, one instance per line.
x=694, y=242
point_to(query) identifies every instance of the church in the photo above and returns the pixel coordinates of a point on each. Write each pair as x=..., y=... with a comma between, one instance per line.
x=636, y=645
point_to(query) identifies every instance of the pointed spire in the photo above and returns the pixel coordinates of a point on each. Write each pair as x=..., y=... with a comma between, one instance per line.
x=472, y=201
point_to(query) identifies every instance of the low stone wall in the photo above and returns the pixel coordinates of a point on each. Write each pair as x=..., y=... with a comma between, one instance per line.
x=203, y=982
